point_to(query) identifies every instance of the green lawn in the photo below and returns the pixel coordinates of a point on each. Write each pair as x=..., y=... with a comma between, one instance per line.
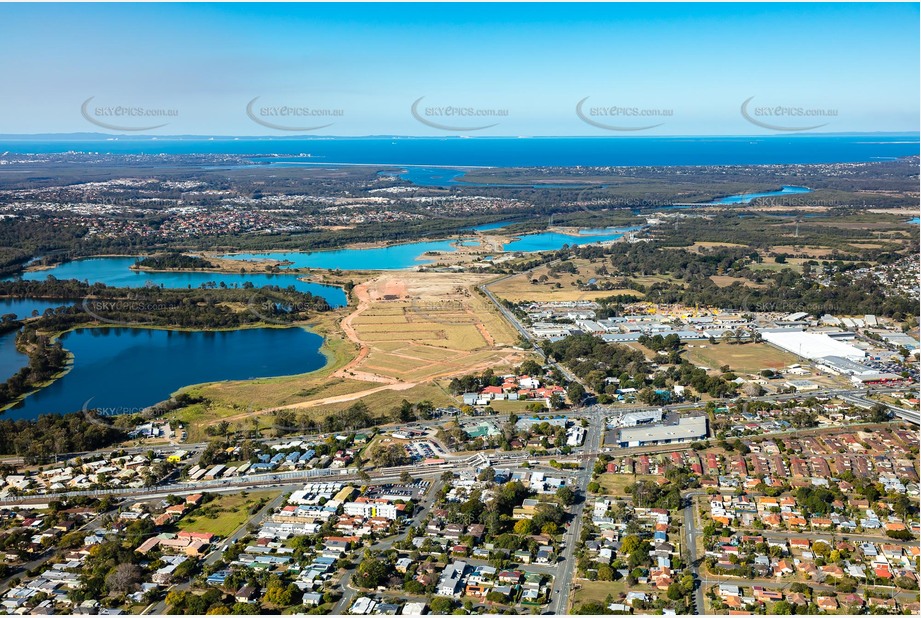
x=614, y=484
x=597, y=591
x=224, y=514
x=504, y=405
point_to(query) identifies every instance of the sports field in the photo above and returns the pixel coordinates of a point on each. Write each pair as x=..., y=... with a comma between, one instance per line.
x=744, y=358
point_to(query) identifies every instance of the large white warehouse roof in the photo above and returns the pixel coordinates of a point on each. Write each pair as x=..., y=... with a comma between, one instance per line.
x=813, y=345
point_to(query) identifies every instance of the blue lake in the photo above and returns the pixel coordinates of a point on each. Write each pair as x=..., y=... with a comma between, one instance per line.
x=431, y=176
x=24, y=307
x=486, y=227
x=394, y=257
x=116, y=272
x=551, y=241
x=127, y=369
x=916, y=220
x=11, y=360
x=746, y=198
x=398, y=257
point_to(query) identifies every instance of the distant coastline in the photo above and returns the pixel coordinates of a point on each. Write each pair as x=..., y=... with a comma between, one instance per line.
x=482, y=151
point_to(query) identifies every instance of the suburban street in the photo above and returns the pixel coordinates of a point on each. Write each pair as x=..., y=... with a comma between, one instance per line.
x=215, y=554
x=349, y=592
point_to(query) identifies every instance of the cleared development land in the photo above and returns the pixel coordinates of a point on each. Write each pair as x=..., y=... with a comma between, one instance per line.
x=418, y=327
x=408, y=332
x=547, y=283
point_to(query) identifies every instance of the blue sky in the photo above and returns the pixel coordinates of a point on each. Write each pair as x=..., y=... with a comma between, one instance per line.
x=692, y=65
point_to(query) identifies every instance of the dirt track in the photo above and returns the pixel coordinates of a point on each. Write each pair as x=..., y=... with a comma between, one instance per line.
x=349, y=370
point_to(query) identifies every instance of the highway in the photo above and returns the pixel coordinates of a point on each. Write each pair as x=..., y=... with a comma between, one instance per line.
x=595, y=414
x=855, y=398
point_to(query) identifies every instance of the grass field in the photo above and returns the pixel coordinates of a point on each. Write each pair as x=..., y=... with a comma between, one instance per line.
x=563, y=286
x=816, y=252
x=614, y=484
x=702, y=246
x=589, y=591
x=744, y=358
x=649, y=354
x=725, y=281
x=240, y=399
x=224, y=514
x=510, y=406
x=794, y=264
x=383, y=403
x=416, y=329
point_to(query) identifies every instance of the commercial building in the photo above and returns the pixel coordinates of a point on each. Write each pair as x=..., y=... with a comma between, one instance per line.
x=839, y=365
x=688, y=429
x=812, y=345
x=384, y=509
x=643, y=417
x=801, y=386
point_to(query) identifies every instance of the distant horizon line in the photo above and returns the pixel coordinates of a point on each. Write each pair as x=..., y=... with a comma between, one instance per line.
x=120, y=136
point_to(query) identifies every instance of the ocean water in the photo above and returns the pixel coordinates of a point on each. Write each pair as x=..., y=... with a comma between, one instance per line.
x=507, y=151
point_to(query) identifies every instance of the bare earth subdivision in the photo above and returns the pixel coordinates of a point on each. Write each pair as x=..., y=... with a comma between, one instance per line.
x=416, y=327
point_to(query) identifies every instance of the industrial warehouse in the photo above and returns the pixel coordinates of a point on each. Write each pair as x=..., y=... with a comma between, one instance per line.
x=688, y=429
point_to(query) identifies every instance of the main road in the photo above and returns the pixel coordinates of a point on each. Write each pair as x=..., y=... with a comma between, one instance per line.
x=508, y=315
x=566, y=567
x=690, y=534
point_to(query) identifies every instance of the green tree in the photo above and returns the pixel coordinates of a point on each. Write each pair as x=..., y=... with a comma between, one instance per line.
x=781, y=608
x=441, y=605
x=523, y=526
x=566, y=495
x=371, y=573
